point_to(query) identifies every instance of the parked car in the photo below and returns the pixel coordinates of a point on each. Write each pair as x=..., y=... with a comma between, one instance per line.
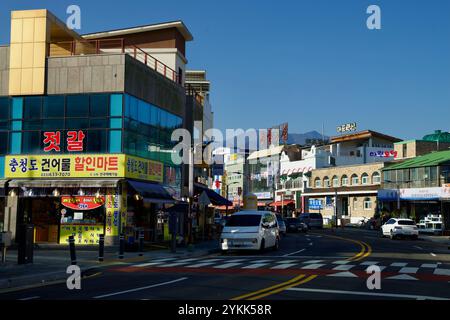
x=396, y=228
x=295, y=225
x=312, y=220
x=281, y=224
x=251, y=230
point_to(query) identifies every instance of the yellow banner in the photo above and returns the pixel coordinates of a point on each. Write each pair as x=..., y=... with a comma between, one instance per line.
x=83, y=234
x=83, y=166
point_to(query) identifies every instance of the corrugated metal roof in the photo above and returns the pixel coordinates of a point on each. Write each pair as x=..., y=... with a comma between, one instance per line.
x=428, y=160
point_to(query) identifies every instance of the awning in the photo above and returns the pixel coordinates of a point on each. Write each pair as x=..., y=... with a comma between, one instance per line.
x=66, y=183
x=152, y=192
x=281, y=203
x=215, y=198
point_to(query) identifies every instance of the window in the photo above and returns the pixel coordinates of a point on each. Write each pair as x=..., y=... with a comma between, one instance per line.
x=376, y=178
x=365, y=178
x=326, y=182
x=31, y=142
x=404, y=150
x=4, y=109
x=367, y=204
x=344, y=180
x=355, y=180
x=335, y=181
x=32, y=108
x=77, y=106
x=53, y=107
x=97, y=141
x=99, y=106
x=4, y=143
x=318, y=183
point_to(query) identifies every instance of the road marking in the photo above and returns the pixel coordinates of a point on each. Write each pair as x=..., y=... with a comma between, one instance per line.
x=283, y=288
x=247, y=295
x=29, y=298
x=283, y=266
x=401, y=277
x=175, y=264
x=164, y=259
x=381, y=268
x=341, y=262
x=344, y=267
x=399, y=264
x=227, y=265
x=442, y=272
x=139, y=289
x=429, y=265
x=310, y=243
x=313, y=261
x=432, y=254
x=346, y=274
x=368, y=263
x=261, y=261
x=255, y=265
x=289, y=254
x=362, y=293
x=408, y=270
x=313, y=266
x=287, y=261
x=199, y=265
x=146, y=264
x=366, y=249
x=188, y=260
x=417, y=247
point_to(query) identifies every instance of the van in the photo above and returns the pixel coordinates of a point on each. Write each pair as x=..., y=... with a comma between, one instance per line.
x=250, y=230
x=312, y=220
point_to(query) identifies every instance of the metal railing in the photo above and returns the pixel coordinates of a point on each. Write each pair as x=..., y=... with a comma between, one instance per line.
x=104, y=46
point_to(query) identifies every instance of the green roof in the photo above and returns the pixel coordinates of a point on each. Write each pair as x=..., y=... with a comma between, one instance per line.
x=438, y=135
x=429, y=160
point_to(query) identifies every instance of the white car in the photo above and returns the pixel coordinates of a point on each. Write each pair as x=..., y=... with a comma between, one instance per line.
x=250, y=230
x=395, y=228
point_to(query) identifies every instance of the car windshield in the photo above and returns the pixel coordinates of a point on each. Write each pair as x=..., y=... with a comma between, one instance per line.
x=244, y=220
x=279, y=218
x=406, y=222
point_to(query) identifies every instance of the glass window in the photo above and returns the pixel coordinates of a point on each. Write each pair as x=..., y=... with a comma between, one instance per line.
x=32, y=124
x=4, y=125
x=77, y=106
x=16, y=142
x=75, y=124
x=376, y=178
x=4, y=108
x=326, y=182
x=99, y=123
x=344, y=180
x=17, y=108
x=143, y=112
x=335, y=181
x=116, y=105
x=32, y=108
x=97, y=141
x=355, y=179
x=244, y=220
x=31, y=142
x=365, y=178
x=4, y=143
x=115, y=123
x=16, y=125
x=53, y=124
x=367, y=204
x=99, y=105
x=53, y=107
x=115, y=141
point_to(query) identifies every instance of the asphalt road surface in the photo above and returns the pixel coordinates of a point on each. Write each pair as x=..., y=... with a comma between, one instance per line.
x=321, y=264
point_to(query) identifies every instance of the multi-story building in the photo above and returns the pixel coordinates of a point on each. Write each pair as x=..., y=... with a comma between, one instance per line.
x=417, y=187
x=437, y=141
x=349, y=191
x=85, y=127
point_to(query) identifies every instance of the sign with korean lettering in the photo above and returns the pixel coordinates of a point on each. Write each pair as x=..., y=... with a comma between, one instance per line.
x=82, y=202
x=83, y=166
x=348, y=127
x=74, y=141
x=112, y=206
x=315, y=204
x=84, y=234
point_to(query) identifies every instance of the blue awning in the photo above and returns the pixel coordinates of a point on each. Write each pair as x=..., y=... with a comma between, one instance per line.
x=152, y=192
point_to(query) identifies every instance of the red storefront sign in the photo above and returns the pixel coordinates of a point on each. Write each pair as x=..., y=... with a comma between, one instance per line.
x=52, y=141
x=82, y=202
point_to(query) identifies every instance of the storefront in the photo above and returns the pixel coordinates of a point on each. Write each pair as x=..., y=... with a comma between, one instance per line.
x=87, y=195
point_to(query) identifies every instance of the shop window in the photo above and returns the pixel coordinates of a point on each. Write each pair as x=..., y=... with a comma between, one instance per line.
x=77, y=106
x=367, y=204
x=99, y=105
x=32, y=108
x=31, y=142
x=4, y=109
x=4, y=143
x=97, y=141
x=53, y=107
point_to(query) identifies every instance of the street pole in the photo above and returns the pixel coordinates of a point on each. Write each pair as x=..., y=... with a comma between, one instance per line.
x=335, y=208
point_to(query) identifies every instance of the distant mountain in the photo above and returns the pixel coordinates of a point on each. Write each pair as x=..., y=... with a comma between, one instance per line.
x=305, y=138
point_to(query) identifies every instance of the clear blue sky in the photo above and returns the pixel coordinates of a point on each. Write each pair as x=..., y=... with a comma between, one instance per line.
x=305, y=62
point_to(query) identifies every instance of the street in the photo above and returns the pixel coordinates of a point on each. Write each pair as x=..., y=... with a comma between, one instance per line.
x=321, y=264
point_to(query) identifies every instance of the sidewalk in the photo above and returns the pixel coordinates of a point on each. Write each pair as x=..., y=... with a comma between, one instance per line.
x=50, y=265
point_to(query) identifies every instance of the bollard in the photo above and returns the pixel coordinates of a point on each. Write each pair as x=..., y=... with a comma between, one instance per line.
x=141, y=243
x=121, y=245
x=73, y=257
x=101, y=247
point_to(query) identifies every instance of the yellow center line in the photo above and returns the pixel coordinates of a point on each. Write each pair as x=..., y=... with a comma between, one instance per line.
x=283, y=288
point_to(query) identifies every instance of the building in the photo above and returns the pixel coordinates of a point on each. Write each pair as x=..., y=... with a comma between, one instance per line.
x=437, y=141
x=86, y=125
x=350, y=190
x=418, y=186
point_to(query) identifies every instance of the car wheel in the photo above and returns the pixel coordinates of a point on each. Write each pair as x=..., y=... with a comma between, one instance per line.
x=277, y=245
x=392, y=236
x=262, y=246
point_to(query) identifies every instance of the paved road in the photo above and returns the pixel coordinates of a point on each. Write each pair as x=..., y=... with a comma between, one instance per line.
x=318, y=265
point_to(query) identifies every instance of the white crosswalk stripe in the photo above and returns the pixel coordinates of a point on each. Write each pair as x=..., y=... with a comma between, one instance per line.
x=283, y=266
x=176, y=264
x=341, y=262
x=255, y=266
x=313, y=261
x=399, y=264
x=381, y=268
x=344, y=267
x=313, y=266
x=227, y=265
x=199, y=265
x=408, y=270
x=429, y=265
x=142, y=265
x=369, y=263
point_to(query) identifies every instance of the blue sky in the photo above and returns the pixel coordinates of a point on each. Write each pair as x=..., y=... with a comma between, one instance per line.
x=304, y=62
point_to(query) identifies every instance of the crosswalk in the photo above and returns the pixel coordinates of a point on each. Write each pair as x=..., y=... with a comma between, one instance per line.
x=396, y=270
